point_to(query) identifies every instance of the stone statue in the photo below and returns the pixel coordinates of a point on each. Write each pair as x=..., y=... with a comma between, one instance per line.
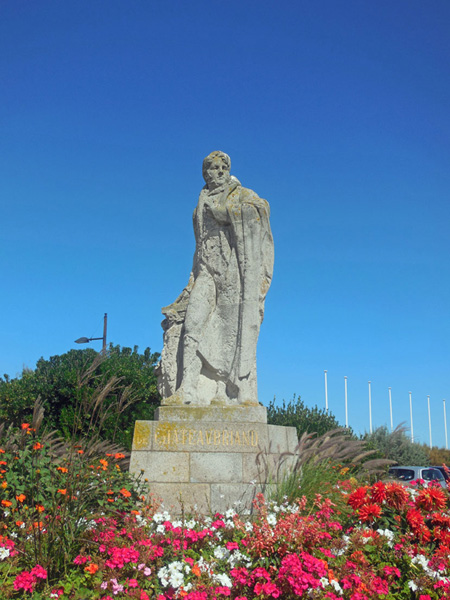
x=211, y=330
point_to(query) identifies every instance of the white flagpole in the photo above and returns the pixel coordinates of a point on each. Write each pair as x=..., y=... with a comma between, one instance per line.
x=390, y=408
x=370, y=408
x=445, y=426
x=411, y=417
x=429, y=421
x=326, y=392
x=346, y=404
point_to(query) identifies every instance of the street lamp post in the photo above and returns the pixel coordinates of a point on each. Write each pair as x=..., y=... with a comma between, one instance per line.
x=85, y=340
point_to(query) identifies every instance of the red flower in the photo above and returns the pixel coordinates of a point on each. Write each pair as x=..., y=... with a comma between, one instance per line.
x=431, y=498
x=396, y=495
x=378, y=492
x=369, y=512
x=358, y=498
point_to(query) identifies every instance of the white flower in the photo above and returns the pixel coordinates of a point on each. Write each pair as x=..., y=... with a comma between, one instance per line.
x=337, y=587
x=230, y=513
x=223, y=579
x=161, y=517
x=272, y=519
x=421, y=560
x=324, y=581
x=248, y=527
x=4, y=553
x=177, y=523
x=387, y=533
x=160, y=529
x=141, y=520
x=163, y=575
x=176, y=579
x=220, y=552
x=190, y=525
x=412, y=586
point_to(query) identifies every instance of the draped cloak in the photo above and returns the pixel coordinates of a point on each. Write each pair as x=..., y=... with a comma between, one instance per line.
x=222, y=307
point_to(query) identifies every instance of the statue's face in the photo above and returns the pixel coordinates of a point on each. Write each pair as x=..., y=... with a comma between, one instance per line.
x=216, y=174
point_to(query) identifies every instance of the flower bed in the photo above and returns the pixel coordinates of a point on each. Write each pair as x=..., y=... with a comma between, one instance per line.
x=378, y=541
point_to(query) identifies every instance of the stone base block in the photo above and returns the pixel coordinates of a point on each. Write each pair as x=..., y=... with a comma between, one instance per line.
x=209, y=459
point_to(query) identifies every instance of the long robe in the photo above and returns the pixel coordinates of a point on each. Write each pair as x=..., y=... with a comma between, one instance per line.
x=220, y=311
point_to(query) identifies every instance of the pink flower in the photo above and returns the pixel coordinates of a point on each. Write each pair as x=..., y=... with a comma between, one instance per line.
x=132, y=583
x=391, y=570
x=24, y=581
x=232, y=546
x=39, y=571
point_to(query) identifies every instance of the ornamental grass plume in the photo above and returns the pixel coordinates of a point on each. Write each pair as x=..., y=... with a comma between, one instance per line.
x=319, y=462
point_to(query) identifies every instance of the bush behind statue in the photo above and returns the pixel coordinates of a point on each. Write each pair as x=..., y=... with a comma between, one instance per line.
x=113, y=391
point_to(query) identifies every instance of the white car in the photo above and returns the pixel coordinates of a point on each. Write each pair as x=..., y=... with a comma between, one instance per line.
x=409, y=474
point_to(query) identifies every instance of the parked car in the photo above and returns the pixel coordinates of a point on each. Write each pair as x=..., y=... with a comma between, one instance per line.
x=445, y=472
x=409, y=474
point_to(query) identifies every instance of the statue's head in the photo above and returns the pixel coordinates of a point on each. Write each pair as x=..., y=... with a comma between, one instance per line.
x=216, y=169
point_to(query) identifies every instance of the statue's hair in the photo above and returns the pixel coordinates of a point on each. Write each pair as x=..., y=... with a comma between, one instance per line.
x=213, y=157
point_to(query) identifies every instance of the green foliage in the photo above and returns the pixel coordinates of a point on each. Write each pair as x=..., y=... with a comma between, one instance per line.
x=83, y=389
x=52, y=489
x=296, y=414
x=319, y=462
x=397, y=446
x=437, y=456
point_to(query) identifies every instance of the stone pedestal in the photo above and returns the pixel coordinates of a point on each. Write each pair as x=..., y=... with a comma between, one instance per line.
x=211, y=458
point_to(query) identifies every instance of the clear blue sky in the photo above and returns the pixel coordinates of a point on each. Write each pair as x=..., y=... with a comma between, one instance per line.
x=338, y=113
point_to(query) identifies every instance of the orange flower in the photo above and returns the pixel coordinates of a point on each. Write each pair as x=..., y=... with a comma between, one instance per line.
x=38, y=446
x=92, y=568
x=196, y=570
x=103, y=462
x=3, y=462
x=110, y=499
x=19, y=523
x=125, y=493
x=134, y=512
x=119, y=456
x=2, y=451
x=40, y=508
x=63, y=492
x=21, y=497
x=25, y=426
x=6, y=503
x=62, y=469
x=110, y=492
x=38, y=524
x=4, y=485
x=80, y=451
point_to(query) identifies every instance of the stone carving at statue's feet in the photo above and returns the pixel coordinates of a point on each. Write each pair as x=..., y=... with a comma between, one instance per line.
x=212, y=328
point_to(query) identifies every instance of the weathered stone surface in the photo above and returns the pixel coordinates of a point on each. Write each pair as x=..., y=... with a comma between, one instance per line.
x=226, y=414
x=190, y=497
x=215, y=466
x=162, y=466
x=212, y=328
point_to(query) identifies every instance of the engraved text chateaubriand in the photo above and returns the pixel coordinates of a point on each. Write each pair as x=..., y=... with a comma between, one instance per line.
x=204, y=437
